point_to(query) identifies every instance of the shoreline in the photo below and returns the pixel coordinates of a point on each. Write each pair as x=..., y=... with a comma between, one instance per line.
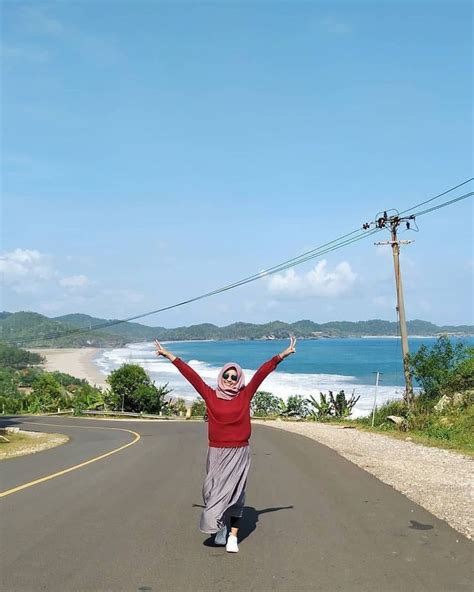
x=307, y=338
x=78, y=362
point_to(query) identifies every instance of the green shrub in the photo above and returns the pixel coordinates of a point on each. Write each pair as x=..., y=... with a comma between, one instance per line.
x=321, y=410
x=443, y=368
x=394, y=407
x=15, y=357
x=295, y=406
x=338, y=406
x=87, y=397
x=198, y=407
x=27, y=377
x=9, y=382
x=11, y=405
x=132, y=388
x=265, y=404
x=179, y=407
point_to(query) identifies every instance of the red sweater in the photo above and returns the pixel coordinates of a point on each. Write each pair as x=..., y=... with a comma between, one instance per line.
x=229, y=420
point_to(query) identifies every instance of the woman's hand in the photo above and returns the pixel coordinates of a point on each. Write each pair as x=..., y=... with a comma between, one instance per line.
x=290, y=349
x=161, y=351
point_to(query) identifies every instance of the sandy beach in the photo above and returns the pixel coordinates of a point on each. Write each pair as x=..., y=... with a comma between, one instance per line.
x=77, y=362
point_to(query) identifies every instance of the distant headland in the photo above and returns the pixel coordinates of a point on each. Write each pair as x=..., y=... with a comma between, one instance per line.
x=30, y=329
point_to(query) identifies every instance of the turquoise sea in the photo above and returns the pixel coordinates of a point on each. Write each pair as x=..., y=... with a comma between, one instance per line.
x=318, y=365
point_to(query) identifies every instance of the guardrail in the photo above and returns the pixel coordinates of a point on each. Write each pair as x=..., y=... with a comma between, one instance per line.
x=126, y=414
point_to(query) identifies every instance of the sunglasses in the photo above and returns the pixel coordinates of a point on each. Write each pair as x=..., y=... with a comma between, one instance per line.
x=228, y=376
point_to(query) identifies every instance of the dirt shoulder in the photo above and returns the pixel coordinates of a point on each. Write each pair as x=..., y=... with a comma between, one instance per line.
x=23, y=442
x=439, y=480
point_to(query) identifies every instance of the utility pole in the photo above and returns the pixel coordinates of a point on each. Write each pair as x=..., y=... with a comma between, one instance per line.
x=392, y=223
x=375, y=397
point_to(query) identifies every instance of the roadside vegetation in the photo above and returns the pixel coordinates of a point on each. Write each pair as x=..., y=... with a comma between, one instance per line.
x=26, y=388
x=442, y=413
x=21, y=443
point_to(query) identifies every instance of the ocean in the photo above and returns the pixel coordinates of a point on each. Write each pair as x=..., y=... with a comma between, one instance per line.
x=318, y=365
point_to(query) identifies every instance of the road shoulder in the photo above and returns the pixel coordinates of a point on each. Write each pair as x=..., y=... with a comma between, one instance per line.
x=438, y=480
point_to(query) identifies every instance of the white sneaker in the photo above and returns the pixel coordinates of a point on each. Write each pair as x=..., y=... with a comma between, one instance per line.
x=232, y=546
x=221, y=536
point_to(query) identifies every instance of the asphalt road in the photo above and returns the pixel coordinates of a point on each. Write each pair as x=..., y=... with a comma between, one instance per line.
x=313, y=520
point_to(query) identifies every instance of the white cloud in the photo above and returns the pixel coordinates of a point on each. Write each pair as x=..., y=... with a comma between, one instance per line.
x=28, y=270
x=320, y=282
x=74, y=281
x=24, y=269
x=34, y=281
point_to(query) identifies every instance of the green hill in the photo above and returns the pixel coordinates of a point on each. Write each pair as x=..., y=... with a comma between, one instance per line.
x=132, y=332
x=23, y=328
x=28, y=329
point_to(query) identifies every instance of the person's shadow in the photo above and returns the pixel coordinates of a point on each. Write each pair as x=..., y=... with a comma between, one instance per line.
x=248, y=522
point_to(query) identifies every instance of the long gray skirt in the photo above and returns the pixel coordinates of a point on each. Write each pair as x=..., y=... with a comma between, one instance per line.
x=223, y=491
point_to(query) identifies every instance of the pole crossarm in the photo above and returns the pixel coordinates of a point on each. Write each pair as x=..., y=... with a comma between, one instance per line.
x=402, y=242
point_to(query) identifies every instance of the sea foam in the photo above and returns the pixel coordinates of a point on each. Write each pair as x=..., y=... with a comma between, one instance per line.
x=280, y=383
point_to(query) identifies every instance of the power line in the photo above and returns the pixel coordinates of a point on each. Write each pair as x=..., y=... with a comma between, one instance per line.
x=439, y=195
x=323, y=249
x=392, y=223
x=443, y=205
x=328, y=247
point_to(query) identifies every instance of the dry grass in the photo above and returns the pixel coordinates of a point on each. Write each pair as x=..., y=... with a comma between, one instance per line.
x=22, y=443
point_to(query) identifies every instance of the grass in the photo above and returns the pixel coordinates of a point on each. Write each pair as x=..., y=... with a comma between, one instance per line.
x=452, y=428
x=20, y=444
x=426, y=440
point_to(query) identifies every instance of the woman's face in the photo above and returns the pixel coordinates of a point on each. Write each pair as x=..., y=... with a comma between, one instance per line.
x=230, y=377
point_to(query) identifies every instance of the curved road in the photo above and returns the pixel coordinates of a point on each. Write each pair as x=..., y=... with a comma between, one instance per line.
x=313, y=521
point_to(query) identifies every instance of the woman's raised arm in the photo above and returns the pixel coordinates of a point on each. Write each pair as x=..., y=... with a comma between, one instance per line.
x=191, y=375
x=290, y=349
x=161, y=351
x=268, y=367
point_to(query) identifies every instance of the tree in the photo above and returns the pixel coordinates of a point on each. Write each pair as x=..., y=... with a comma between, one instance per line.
x=47, y=395
x=198, y=407
x=335, y=406
x=14, y=357
x=321, y=410
x=151, y=399
x=45, y=385
x=9, y=382
x=178, y=407
x=132, y=389
x=296, y=406
x=124, y=382
x=462, y=376
x=27, y=376
x=438, y=368
x=342, y=407
x=265, y=404
x=87, y=397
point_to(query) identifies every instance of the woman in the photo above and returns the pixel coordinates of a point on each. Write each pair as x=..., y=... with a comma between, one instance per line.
x=228, y=457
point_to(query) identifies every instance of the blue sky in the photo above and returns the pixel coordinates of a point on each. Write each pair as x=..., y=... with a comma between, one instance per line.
x=153, y=151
